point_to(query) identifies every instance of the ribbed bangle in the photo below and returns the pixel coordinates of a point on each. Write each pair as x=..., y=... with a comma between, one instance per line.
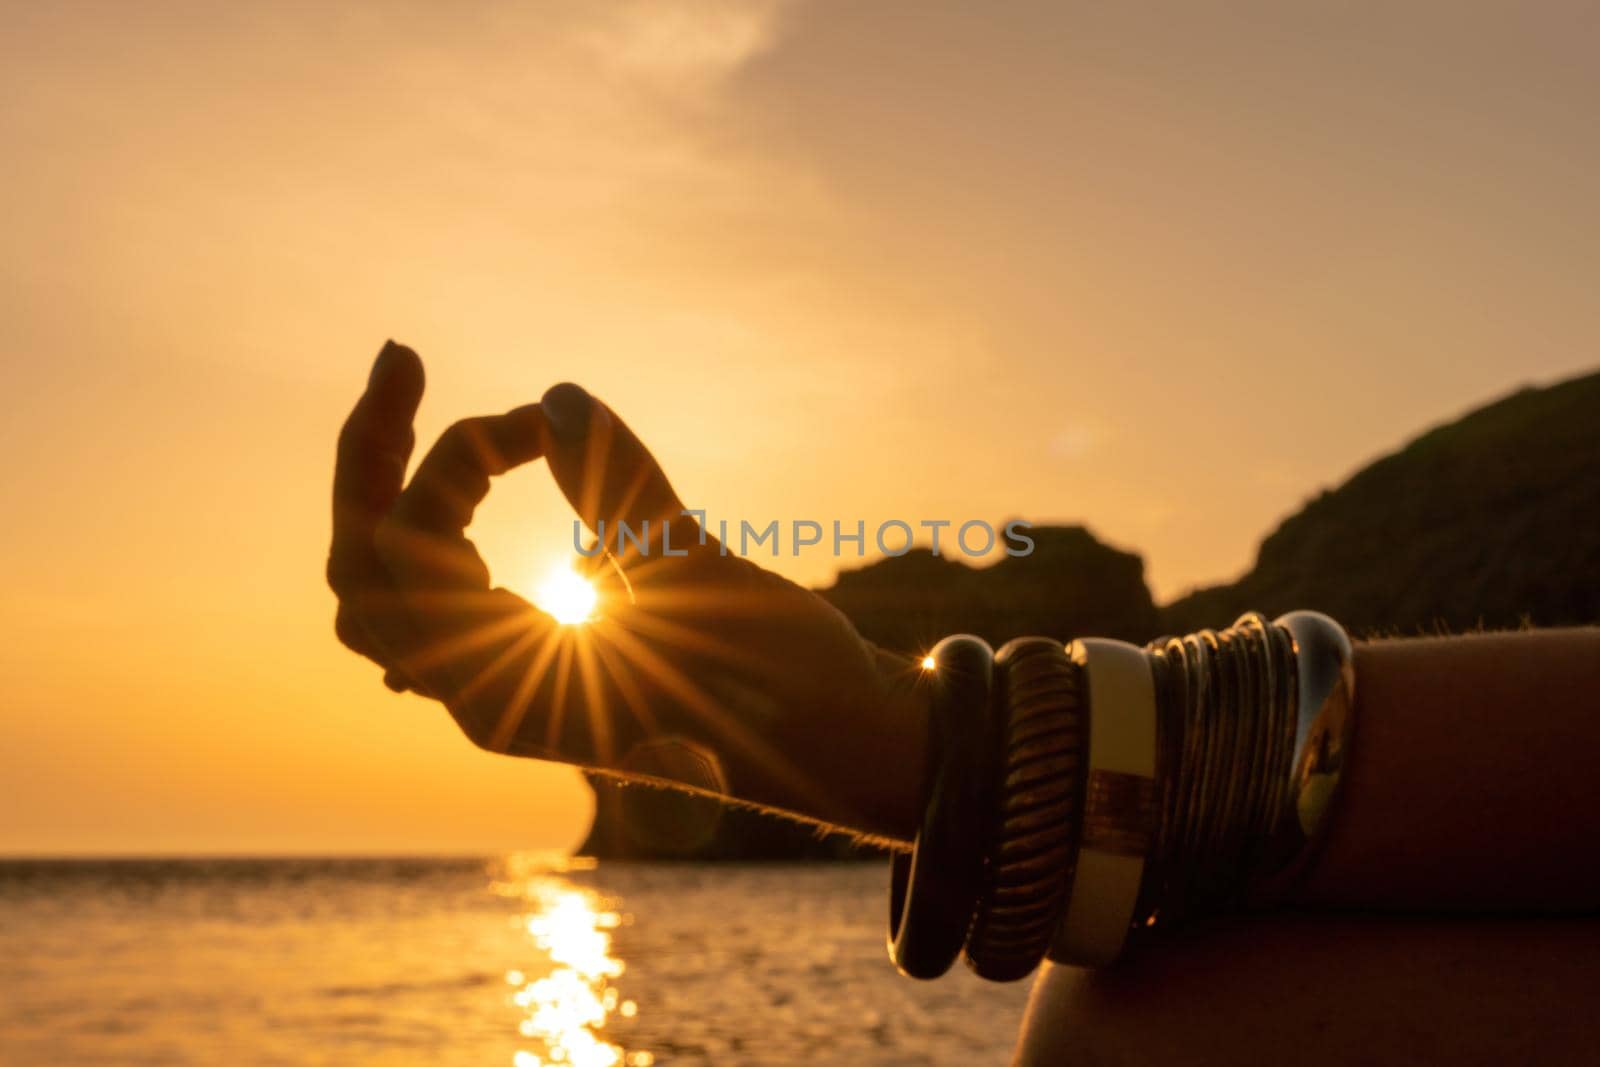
x=1034, y=839
x=933, y=889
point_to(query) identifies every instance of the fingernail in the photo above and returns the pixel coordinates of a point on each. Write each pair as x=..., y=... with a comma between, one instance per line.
x=566, y=409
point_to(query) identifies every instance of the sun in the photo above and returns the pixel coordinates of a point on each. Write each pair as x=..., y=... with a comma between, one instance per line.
x=565, y=596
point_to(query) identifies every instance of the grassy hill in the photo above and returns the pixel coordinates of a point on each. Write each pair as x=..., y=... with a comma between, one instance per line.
x=1491, y=520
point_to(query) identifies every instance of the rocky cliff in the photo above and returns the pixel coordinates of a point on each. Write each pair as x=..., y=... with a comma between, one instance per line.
x=1492, y=520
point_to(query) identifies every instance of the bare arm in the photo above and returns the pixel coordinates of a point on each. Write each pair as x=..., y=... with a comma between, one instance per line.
x=1472, y=781
x=1470, y=788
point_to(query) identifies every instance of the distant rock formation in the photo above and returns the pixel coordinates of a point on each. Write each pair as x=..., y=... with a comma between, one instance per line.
x=1069, y=584
x=1492, y=520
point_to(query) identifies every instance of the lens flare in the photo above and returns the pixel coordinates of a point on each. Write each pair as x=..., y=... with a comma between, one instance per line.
x=565, y=596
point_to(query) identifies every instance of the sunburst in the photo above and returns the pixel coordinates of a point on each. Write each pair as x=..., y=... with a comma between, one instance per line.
x=566, y=596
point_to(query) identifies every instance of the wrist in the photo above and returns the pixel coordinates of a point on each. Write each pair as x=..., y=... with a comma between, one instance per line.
x=1204, y=782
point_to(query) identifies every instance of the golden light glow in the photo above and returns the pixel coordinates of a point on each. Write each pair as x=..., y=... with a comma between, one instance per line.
x=565, y=596
x=928, y=663
x=766, y=388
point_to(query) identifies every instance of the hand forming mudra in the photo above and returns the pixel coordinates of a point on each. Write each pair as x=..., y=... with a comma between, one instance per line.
x=700, y=667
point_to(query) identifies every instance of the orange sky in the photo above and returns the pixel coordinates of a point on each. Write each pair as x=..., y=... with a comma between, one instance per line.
x=1164, y=274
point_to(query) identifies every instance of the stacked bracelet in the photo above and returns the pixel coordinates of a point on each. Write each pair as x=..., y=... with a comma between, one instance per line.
x=1256, y=722
x=1081, y=792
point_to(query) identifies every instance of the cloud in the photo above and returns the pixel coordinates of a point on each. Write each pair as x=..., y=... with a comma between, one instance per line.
x=684, y=45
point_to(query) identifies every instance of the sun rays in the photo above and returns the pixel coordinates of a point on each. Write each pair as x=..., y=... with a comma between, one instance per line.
x=566, y=596
x=585, y=671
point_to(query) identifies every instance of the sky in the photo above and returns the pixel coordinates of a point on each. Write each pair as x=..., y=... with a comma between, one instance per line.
x=1166, y=270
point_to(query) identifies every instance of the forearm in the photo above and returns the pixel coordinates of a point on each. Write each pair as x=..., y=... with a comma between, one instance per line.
x=1468, y=788
x=1470, y=784
x=1471, y=781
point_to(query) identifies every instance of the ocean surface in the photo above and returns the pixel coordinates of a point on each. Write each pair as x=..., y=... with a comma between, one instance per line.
x=520, y=961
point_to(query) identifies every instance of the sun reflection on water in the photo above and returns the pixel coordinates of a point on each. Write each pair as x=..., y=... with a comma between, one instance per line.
x=565, y=1008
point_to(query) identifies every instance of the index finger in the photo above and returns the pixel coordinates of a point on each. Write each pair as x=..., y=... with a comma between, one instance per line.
x=609, y=476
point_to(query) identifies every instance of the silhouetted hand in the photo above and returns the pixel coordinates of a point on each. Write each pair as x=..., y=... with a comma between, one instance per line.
x=700, y=668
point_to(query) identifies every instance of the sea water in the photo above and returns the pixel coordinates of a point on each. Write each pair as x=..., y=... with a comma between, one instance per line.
x=519, y=961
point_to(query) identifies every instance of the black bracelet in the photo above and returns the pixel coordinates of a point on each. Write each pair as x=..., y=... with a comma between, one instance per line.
x=933, y=890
